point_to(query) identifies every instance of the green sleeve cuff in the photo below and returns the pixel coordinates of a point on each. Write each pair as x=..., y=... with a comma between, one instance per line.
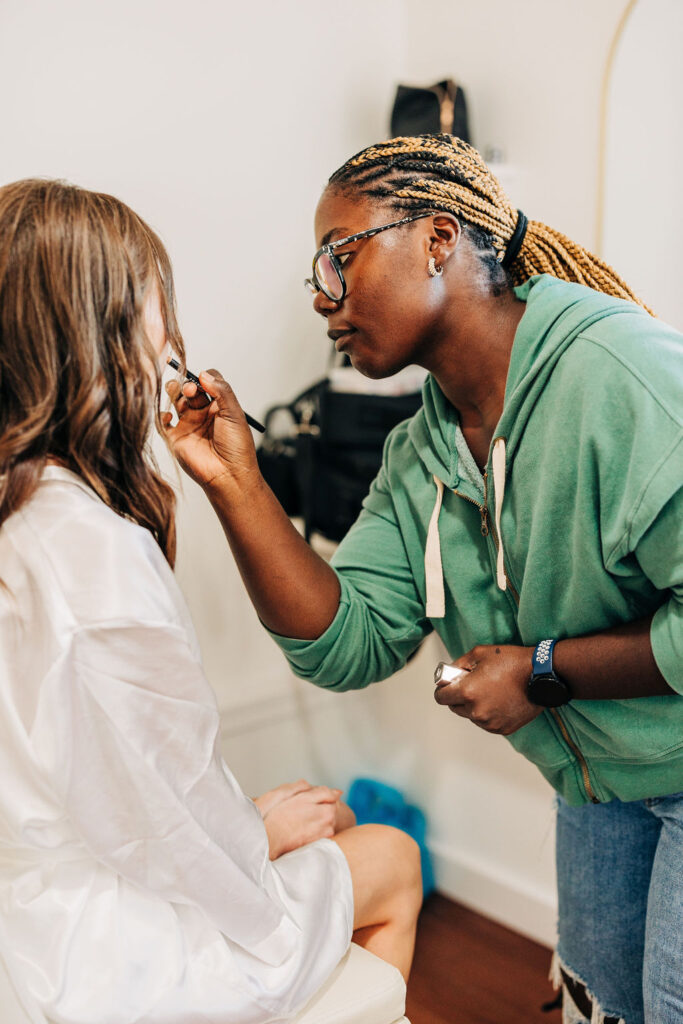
x=666, y=635
x=306, y=655
x=363, y=643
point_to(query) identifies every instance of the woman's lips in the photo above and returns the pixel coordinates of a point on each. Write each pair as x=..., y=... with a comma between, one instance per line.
x=341, y=340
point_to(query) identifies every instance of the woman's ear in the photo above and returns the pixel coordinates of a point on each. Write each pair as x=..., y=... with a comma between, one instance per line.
x=444, y=236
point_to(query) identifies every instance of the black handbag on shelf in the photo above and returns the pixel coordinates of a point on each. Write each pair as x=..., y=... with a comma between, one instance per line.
x=321, y=452
x=434, y=108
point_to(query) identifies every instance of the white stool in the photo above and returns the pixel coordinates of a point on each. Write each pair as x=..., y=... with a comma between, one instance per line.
x=362, y=990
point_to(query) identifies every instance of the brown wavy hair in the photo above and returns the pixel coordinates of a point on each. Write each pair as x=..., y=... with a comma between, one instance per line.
x=79, y=377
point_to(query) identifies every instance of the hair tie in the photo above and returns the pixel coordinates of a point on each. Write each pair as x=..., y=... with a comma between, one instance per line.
x=515, y=243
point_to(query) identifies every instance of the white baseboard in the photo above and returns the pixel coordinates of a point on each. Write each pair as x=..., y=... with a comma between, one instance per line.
x=490, y=891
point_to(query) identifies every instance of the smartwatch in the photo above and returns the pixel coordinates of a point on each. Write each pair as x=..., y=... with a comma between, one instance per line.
x=545, y=687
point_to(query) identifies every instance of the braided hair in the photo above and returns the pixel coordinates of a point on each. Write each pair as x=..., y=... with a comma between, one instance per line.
x=441, y=172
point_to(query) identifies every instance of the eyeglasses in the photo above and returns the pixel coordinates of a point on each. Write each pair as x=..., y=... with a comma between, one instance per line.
x=327, y=268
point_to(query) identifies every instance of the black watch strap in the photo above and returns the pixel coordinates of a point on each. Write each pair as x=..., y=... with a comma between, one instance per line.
x=545, y=687
x=542, y=658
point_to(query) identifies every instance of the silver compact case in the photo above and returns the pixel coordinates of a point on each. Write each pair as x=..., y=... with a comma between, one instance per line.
x=445, y=673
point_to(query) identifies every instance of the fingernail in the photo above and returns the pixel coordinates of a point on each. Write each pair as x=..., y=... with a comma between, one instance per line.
x=207, y=376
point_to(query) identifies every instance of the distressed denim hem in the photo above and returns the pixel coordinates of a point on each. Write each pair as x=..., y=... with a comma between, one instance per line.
x=570, y=1012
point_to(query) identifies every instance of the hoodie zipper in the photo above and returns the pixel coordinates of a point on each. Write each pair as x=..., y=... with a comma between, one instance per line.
x=577, y=753
x=483, y=510
x=485, y=531
x=558, y=717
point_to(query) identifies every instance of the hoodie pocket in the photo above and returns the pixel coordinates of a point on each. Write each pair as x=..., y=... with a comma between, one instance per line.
x=538, y=742
x=637, y=731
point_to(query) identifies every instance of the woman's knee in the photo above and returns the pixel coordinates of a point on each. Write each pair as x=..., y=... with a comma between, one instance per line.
x=410, y=895
x=396, y=849
x=406, y=857
x=385, y=867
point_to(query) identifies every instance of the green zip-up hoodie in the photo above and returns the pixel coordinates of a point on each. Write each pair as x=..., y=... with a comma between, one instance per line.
x=577, y=526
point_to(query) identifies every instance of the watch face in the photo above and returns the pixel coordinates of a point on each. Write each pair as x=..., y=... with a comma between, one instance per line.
x=548, y=691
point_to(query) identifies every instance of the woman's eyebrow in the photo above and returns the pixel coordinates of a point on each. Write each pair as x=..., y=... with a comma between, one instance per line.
x=331, y=233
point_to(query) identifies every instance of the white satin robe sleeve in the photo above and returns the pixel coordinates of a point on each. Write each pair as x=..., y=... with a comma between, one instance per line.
x=131, y=731
x=135, y=882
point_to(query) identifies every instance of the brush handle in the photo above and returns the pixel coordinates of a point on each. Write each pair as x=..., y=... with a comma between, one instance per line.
x=255, y=423
x=194, y=379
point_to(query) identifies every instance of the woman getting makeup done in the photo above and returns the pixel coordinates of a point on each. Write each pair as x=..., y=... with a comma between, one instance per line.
x=137, y=881
x=530, y=513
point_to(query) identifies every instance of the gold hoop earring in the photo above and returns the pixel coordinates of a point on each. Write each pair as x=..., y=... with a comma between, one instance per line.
x=432, y=268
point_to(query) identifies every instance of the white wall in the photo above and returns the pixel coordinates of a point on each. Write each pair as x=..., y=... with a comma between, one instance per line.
x=219, y=122
x=644, y=199
x=532, y=71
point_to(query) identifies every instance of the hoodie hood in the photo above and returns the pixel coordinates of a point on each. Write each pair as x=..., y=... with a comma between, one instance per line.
x=556, y=313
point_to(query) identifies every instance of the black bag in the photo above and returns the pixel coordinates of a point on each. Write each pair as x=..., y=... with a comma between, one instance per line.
x=434, y=108
x=321, y=464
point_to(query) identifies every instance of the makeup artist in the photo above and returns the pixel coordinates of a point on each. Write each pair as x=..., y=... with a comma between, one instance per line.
x=530, y=513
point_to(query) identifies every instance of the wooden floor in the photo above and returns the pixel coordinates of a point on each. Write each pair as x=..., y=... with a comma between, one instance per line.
x=468, y=970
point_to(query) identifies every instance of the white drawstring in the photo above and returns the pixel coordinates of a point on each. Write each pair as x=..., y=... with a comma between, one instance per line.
x=434, y=586
x=498, y=462
x=436, y=599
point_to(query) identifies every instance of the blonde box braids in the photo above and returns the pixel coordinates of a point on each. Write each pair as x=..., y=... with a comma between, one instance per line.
x=441, y=172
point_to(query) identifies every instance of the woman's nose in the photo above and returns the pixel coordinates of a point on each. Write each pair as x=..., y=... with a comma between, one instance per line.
x=324, y=305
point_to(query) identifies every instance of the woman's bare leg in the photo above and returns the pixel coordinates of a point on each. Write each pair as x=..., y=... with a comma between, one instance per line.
x=387, y=890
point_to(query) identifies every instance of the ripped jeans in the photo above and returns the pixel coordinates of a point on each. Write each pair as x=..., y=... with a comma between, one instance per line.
x=620, y=892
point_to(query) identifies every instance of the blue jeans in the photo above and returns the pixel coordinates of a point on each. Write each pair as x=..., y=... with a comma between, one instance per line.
x=620, y=891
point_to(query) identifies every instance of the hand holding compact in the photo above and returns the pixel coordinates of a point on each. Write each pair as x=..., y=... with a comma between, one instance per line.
x=492, y=692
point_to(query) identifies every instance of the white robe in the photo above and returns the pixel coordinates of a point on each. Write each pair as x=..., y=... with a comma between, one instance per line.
x=135, y=883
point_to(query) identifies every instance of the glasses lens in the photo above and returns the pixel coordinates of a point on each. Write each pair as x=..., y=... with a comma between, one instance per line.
x=328, y=277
